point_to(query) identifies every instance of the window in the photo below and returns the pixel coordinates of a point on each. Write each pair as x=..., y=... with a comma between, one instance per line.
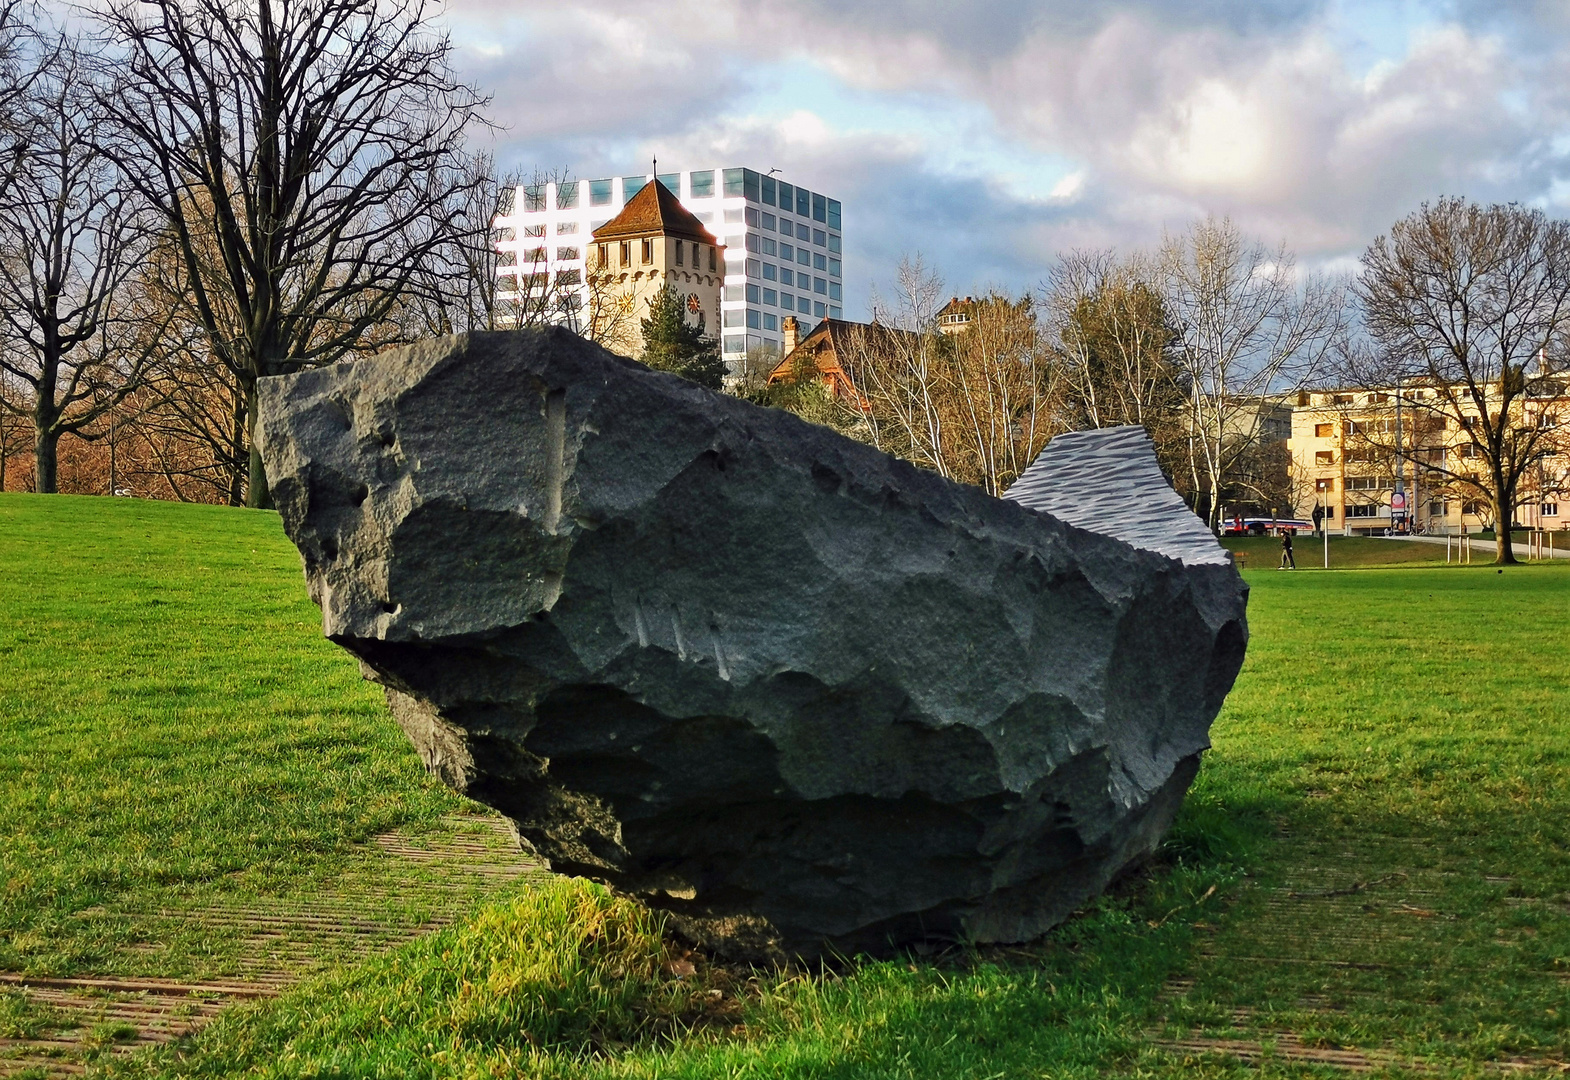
x=1324, y=431
x=767, y=185
x=751, y=216
x=1368, y=483
x=566, y=254
x=648, y=252
x=787, y=301
x=770, y=272
x=819, y=262
x=818, y=238
x=752, y=293
x=786, y=277
x=803, y=257
x=630, y=186
x=567, y=196
x=534, y=255
x=1378, y=399
x=834, y=243
x=754, y=320
x=702, y=184
x=820, y=210
x=680, y=248
x=835, y=291
x=803, y=202
x=835, y=313
x=736, y=318
x=1341, y=399
x=820, y=286
x=749, y=184
x=768, y=246
x=711, y=260
x=834, y=215
x=1436, y=508
x=568, y=277
x=770, y=322
x=754, y=268
x=534, y=230
x=819, y=310
x=1550, y=509
x=787, y=197
x=768, y=222
x=733, y=182
x=802, y=232
x=599, y=192
x=566, y=228
x=1330, y=513
x=1466, y=450
x=604, y=254
x=733, y=217
x=770, y=297
x=735, y=343
x=752, y=242
x=672, y=182
x=534, y=197
x=787, y=252
x=834, y=268
x=1362, y=510
x=1325, y=484
x=626, y=252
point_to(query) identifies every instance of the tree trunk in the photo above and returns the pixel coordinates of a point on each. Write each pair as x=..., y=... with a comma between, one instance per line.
x=46, y=449
x=1504, y=550
x=257, y=496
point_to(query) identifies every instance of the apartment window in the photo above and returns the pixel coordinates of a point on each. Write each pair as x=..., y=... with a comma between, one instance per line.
x=1324, y=431
x=680, y=249
x=534, y=230
x=703, y=184
x=736, y=318
x=803, y=305
x=630, y=186
x=568, y=277
x=768, y=222
x=567, y=195
x=754, y=268
x=752, y=242
x=835, y=313
x=566, y=254
x=1466, y=450
x=767, y=186
x=604, y=254
x=787, y=301
x=648, y=252
x=803, y=202
x=820, y=208
x=818, y=238
x=834, y=243
x=787, y=196
x=835, y=291
x=820, y=286
x=770, y=272
x=1369, y=483
x=770, y=322
x=834, y=214
x=770, y=297
x=819, y=262
x=787, y=252
x=803, y=257
x=672, y=182
x=1362, y=510
x=1550, y=509
x=749, y=185
x=735, y=343
x=768, y=246
x=802, y=232
x=834, y=268
x=566, y=228
x=818, y=310
x=734, y=182
x=752, y=293
x=626, y=252
x=787, y=277
x=754, y=320
x=1436, y=508
x=534, y=255
x=534, y=197
x=599, y=192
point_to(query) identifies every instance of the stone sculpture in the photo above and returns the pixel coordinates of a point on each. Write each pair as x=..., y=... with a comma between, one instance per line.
x=794, y=691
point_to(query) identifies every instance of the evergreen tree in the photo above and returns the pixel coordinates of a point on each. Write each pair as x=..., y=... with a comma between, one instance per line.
x=671, y=344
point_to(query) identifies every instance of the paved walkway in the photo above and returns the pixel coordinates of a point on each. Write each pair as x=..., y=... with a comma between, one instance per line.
x=1481, y=547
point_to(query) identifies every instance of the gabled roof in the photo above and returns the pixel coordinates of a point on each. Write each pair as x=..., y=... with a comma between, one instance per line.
x=654, y=211
x=829, y=341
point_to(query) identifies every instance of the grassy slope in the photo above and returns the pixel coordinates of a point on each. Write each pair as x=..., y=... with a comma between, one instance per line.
x=171, y=723
x=1409, y=728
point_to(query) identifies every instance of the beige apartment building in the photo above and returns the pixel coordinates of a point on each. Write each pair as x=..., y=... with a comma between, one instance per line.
x=1344, y=460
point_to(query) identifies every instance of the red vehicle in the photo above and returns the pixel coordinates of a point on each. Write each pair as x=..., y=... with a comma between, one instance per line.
x=1256, y=526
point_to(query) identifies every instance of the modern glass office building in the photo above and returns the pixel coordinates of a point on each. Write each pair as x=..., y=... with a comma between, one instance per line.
x=783, y=249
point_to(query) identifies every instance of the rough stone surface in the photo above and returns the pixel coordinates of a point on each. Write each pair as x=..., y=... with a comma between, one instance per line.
x=790, y=689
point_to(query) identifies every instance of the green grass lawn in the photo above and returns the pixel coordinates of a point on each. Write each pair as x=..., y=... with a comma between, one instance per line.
x=1385, y=819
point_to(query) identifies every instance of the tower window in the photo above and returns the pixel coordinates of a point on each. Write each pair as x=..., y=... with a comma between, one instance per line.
x=694, y=256
x=711, y=260
x=648, y=252
x=680, y=254
x=626, y=252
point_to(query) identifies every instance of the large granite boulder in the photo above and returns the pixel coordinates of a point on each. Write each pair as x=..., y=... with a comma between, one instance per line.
x=793, y=691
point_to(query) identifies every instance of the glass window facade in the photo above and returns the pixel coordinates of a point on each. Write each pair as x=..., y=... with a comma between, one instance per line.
x=567, y=195
x=734, y=181
x=753, y=320
x=786, y=276
x=753, y=296
x=834, y=214
x=819, y=237
x=630, y=186
x=834, y=243
x=767, y=186
x=834, y=268
x=787, y=196
x=534, y=197
x=768, y=246
x=771, y=298
x=768, y=222
x=672, y=182
x=771, y=322
x=803, y=202
x=802, y=232
x=770, y=272
x=787, y=252
x=599, y=192
x=820, y=286
x=703, y=184
x=803, y=256
x=820, y=208
x=836, y=291
x=819, y=261
x=751, y=216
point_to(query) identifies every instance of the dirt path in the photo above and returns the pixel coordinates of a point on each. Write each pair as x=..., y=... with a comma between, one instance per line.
x=403, y=886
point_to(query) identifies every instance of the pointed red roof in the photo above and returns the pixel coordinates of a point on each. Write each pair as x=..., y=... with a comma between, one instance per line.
x=654, y=211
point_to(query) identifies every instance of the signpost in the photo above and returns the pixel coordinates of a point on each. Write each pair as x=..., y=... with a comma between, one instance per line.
x=1398, y=510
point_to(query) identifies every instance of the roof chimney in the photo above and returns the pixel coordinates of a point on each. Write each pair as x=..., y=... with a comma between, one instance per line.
x=792, y=330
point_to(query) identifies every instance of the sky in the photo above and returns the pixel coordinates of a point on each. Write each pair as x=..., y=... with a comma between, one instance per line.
x=991, y=137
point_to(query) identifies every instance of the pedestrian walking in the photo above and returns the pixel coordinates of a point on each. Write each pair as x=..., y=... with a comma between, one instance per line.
x=1287, y=561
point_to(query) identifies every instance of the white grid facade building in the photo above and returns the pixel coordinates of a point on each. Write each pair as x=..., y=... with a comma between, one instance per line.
x=784, y=253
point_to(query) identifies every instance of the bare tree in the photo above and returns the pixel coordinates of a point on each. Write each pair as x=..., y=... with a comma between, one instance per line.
x=15, y=77
x=14, y=428
x=1469, y=307
x=1245, y=329
x=320, y=142
x=73, y=232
